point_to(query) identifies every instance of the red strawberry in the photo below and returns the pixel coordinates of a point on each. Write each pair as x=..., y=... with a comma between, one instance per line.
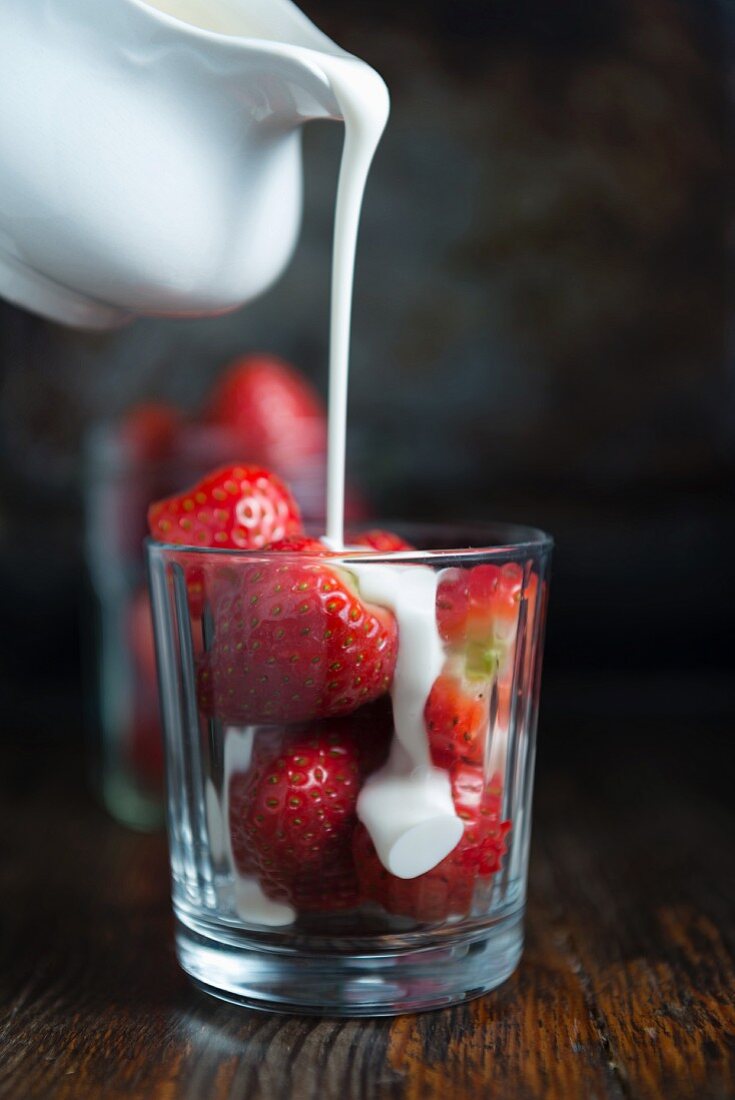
x=293, y=642
x=457, y=717
x=385, y=541
x=479, y=606
x=300, y=544
x=478, y=613
x=292, y=816
x=448, y=889
x=148, y=431
x=235, y=507
x=145, y=747
x=272, y=408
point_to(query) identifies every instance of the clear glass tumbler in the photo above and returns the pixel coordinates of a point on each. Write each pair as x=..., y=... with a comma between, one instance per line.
x=349, y=753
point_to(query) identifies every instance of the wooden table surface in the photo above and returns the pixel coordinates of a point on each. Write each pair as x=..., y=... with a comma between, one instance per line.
x=625, y=990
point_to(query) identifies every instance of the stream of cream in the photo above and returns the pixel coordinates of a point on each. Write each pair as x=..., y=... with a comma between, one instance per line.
x=407, y=806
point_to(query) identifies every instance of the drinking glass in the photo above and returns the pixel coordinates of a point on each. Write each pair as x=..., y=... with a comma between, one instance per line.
x=349, y=789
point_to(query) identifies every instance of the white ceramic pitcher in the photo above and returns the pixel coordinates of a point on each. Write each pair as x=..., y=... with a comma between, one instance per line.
x=150, y=153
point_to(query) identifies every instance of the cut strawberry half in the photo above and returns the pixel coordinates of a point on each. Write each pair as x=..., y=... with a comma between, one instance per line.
x=478, y=613
x=457, y=717
x=477, y=610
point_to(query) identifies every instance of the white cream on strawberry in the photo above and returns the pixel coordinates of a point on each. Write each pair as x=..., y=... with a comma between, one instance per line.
x=251, y=904
x=407, y=806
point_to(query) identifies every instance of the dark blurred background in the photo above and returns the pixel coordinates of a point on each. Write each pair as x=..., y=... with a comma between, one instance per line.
x=540, y=334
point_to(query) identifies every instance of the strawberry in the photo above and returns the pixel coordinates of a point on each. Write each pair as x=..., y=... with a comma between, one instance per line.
x=271, y=408
x=478, y=612
x=457, y=716
x=146, y=440
x=477, y=609
x=148, y=431
x=448, y=889
x=235, y=507
x=292, y=815
x=385, y=541
x=145, y=747
x=477, y=615
x=300, y=544
x=292, y=642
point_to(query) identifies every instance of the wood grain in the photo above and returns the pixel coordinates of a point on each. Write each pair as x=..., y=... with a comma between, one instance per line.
x=626, y=989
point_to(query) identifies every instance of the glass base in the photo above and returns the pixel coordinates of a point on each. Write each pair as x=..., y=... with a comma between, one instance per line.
x=343, y=984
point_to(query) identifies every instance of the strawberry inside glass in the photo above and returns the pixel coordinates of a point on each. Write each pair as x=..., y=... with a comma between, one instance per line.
x=322, y=726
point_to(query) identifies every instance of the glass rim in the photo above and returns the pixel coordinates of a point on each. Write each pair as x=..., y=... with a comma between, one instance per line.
x=521, y=540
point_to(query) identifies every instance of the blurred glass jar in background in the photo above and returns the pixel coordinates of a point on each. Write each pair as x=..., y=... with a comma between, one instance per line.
x=261, y=411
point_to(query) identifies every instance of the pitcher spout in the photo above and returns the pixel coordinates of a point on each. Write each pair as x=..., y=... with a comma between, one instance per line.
x=279, y=45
